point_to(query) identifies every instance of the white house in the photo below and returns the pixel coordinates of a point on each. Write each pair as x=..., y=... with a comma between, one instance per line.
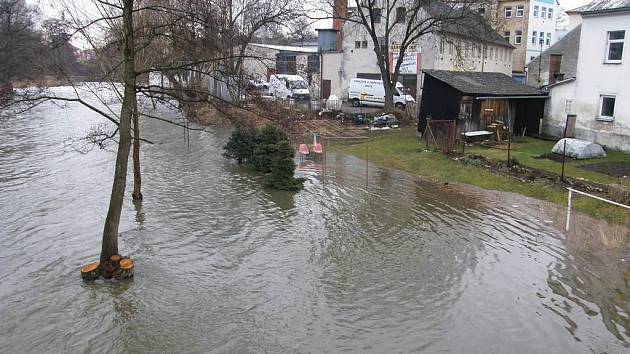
x=599, y=95
x=454, y=48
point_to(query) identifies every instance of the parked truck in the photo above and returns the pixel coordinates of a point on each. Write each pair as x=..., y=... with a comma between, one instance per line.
x=289, y=86
x=365, y=92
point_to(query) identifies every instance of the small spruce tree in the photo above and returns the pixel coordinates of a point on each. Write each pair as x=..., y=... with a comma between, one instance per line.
x=240, y=147
x=283, y=169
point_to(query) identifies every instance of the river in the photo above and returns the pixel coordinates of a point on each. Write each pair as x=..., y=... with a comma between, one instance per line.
x=225, y=266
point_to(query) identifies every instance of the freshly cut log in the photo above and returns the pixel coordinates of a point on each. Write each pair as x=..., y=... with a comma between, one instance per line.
x=125, y=269
x=91, y=271
x=115, y=259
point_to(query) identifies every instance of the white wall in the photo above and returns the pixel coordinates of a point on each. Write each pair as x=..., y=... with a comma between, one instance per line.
x=594, y=78
x=555, y=108
x=331, y=70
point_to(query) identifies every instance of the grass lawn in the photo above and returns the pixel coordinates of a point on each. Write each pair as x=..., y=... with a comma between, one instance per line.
x=401, y=150
x=525, y=149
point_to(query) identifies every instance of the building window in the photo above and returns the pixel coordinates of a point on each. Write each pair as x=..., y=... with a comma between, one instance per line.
x=550, y=13
x=376, y=15
x=450, y=48
x=508, y=11
x=364, y=44
x=518, y=37
x=606, y=107
x=400, y=14
x=520, y=11
x=506, y=35
x=441, y=45
x=532, y=58
x=614, y=46
x=534, y=35
x=543, y=12
x=548, y=42
x=357, y=44
x=536, y=8
x=541, y=39
x=313, y=63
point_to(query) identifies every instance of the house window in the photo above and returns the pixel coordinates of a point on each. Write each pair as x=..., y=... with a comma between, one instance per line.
x=520, y=11
x=536, y=8
x=614, y=46
x=568, y=105
x=548, y=42
x=383, y=45
x=376, y=15
x=450, y=48
x=543, y=12
x=508, y=11
x=491, y=54
x=550, y=13
x=441, y=45
x=313, y=63
x=364, y=44
x=518, y=37
x=541, y=39
x=506, y=35
x=534, y=35
x=606, y=107
x=357, y=44
x=400, y=14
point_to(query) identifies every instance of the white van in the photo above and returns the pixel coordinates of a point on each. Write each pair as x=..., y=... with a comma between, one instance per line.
x=289, y=86
x=372, y=93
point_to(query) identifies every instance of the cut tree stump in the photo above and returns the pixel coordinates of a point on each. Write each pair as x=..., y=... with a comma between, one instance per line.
x=115, y=259
x=91, y=271
x=125, y=271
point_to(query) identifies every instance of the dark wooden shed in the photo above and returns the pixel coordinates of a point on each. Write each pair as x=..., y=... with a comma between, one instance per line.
x=477, y=99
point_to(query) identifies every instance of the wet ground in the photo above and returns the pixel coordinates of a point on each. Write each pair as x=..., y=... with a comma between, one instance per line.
x=363, y=260
x=618, y=169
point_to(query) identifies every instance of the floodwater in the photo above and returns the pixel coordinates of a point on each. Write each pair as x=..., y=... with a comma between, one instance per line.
x=223, y=265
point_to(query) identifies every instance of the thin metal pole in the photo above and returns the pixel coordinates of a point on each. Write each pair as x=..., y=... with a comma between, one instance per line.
x=569, y=210
x=564, y=151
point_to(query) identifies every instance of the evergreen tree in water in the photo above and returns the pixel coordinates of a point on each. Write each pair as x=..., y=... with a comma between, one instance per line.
x=240, y=147
x=283, y=169
x=268, y=151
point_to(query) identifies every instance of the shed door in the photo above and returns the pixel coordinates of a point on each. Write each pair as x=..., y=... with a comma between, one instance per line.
x=325, y=89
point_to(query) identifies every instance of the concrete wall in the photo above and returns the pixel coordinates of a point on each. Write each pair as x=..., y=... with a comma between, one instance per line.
x=555, y=114
x=594, y=78
x=258, y=60
x=331, y=70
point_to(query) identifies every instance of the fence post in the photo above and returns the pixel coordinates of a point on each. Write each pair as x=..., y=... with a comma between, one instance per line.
x=569, y=210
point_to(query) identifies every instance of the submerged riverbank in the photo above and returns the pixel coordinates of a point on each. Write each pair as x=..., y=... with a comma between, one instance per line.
x=401, y=150
x=387, y=263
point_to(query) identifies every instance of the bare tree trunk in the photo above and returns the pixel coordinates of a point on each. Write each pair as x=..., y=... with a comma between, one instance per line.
x=110, y=231
x=137, y=178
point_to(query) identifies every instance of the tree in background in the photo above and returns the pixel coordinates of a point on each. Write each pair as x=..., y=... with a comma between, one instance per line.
x=20, y=42
x=404, y=23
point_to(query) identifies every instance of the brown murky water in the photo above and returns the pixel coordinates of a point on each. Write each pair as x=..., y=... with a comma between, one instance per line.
x=226, y=266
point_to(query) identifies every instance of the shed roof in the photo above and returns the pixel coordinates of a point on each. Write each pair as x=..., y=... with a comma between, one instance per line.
x=602, y=6
x=488, y=84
